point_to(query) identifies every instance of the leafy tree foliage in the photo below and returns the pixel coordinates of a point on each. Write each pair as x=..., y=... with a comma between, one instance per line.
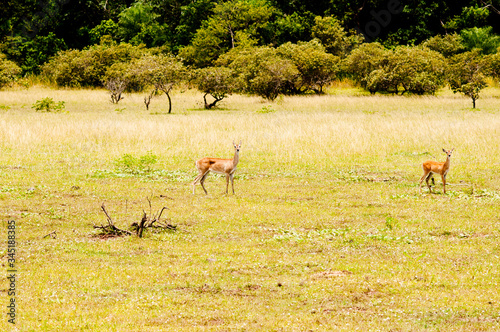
x=87, y=68
x=234, y=23
x=33, y=53
x=105, y=28
x=465, y=74
x=447, y=45
x=261, y=71
x=363, y=60
x=405, y=69
x=160, y=71
x=480, y=38
x=8, y=71
x=333, y=36
x=492, y=65
x=138, y=25
x=316, y=67
x=217, y=82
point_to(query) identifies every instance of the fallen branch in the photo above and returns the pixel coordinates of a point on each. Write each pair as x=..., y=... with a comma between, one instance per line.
x=110, y=228
x=151, y=221
x=52, y=234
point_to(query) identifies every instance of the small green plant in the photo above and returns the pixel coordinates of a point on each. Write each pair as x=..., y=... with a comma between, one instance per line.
x=266, y=109
x=48, y=105
x=136, y=165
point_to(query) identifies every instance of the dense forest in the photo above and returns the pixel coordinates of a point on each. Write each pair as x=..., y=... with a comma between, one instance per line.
x=266, y=47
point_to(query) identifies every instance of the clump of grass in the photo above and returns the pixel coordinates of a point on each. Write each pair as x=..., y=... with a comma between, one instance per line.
x=136, y=165
x=48, y=105
x=266, y=109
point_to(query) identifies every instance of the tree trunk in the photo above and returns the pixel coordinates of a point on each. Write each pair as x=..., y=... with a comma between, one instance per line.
x=169, y=103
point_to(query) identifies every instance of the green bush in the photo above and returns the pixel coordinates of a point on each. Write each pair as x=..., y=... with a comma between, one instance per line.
x=128, y=163
x=75, y=68
x=406, y=69
x=217, y=82
x=48, y=105
x=261, y=71
x=9, y=71
x=447, y=45
x=466, y=74
x=316, y=67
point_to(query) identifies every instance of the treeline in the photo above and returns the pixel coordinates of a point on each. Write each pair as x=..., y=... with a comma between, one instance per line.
x=260, y=47
x=201, y=30
x=290, y=69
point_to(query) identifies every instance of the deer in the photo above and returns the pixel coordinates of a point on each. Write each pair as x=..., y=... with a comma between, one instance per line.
x=430, y=167
x=218, y=165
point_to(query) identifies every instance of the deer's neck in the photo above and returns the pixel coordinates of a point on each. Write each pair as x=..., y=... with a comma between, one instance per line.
x=236, y=158
x=447, y=163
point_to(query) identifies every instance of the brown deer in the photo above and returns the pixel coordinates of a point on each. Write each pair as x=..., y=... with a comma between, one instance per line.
x=218, y=165
x=436, y=167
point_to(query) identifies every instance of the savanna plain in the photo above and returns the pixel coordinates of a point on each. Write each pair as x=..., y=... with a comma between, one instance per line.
x=326, y=231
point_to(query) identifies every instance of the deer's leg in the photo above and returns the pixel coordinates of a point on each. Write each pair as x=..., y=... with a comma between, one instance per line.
x=421, y=180
x=427, y=181
x=429, y=177
x=232, y=182
x=203, y=180
x=227, y=183
x=443, y=177
x=196, y=180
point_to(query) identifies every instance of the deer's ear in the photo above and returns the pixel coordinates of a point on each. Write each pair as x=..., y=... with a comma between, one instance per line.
x=444, y=150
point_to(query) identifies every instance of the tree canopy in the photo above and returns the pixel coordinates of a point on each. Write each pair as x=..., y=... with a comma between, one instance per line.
x=202, y=30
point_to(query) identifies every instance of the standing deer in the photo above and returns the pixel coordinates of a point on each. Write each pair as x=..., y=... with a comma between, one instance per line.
x=431, y=167
x=217, y=165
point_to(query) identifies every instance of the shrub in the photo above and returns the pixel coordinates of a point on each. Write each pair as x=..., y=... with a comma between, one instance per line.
x=217, y=82
x=465, y=74
x=416, y=70
x=447, y=45
x=48, y=105
x=333, y=36
x=261, y=71
x=9, y=71
x=363, y=60
x=88, y=67
x=128, y=163
x=316, y=67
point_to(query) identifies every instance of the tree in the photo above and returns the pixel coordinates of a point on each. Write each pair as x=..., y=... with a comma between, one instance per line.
x=234, y=23
x=75, y=68
x=261, y=71
x=333, y=36
x=448, y=45
x=316, y=67
x=363, y=60
x=138, y=24
x=105, y=28
x=8, y=71
x=160, y=71
x=465, y=74
x=116, y=81
x=492, y=65
x=480, y=38
x=217, y=82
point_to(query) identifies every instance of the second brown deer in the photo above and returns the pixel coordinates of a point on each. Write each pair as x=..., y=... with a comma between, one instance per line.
x=430, y=167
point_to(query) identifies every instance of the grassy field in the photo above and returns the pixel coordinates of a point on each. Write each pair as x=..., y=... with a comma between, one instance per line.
x=326, y=232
